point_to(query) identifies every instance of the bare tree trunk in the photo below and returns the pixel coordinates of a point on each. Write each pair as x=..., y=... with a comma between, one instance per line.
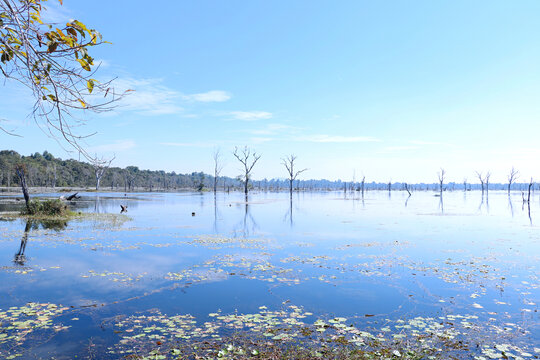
x=22, y=177
x=290, y=187
x=54, y=176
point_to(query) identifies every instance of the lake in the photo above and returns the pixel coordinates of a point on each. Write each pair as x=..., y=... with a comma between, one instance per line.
x=456, y=275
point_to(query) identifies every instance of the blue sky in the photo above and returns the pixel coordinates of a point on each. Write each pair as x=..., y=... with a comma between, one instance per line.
x=392, y=90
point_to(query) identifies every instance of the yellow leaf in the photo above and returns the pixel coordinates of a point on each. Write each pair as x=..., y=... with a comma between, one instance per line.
x=90, y=85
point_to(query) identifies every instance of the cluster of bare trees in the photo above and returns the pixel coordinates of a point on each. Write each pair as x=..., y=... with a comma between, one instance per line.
x=248, y=159
x=484, y=178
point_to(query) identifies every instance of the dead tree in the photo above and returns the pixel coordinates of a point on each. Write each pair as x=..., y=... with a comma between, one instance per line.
x=407, y=188
x=218, y=166
x=248, y=160
x=464, y=184
x=100, y=165
x=288, y=162
x=73, y=196
x=529, y=196
x=481, y=179
x=514, y=174
x=363, y=183
x=488, y=175
x=441, y=175
x=21, y=173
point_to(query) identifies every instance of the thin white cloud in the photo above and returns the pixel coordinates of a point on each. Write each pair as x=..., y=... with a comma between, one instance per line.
x=56, y=13
x=336, y=139
x=260, y=139
x=188, y=144
x=421, y=142
x=210, y=96
x=251, y=115
x=117, y=146
x=149, y=97
x=391, y=149
x=101, y=63
x=273, y=129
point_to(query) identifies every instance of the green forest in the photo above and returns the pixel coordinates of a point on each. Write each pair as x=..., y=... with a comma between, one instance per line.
x=45, y=170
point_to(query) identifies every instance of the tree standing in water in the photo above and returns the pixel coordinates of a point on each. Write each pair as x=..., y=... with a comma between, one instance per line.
x=248, y=160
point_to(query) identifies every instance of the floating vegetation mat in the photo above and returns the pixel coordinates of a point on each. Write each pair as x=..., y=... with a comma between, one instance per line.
x=295, y=333
x=19, y=325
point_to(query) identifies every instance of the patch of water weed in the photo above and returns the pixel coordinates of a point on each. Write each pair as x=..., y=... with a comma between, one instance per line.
x=22, y=325
x=220, y=242
x=293, y=333
x=115, y=276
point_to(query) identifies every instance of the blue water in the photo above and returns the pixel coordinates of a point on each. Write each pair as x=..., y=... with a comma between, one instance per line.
x=333, y=254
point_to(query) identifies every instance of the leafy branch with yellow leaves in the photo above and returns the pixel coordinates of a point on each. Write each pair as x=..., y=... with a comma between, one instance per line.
x=53, y=61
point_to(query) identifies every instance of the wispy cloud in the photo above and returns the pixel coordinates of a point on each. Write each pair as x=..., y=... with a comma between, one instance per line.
x=149, y=97
x=421, y=142
x=210, y=96
x=273, y=129
x=260, y=139
x=117, y=146
x=56, y=13
x=336, y=139
x=251, y=115
x=189, y=144
x=392, y=149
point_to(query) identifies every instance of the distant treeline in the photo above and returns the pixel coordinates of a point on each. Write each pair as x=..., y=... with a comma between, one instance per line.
x=45, y=170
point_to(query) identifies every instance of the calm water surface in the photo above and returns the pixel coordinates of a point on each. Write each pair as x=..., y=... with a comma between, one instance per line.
x=373, y=261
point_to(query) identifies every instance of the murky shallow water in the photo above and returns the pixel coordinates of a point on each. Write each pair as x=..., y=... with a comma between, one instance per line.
x=383, y=263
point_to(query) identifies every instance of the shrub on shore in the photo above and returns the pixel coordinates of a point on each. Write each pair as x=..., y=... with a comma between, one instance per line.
x=46, y=207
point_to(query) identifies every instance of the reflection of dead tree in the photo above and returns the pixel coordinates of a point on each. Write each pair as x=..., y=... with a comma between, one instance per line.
x=218, y=166
x=100, y=165
x=289, y=213
x=247, y=228
x=514, y=174
x=528, y=201
x=248, y=161
x=511, y=206
x=20, y=257
x=441, y=175
x=408, y=197
x=288, y=162
x=216, y=215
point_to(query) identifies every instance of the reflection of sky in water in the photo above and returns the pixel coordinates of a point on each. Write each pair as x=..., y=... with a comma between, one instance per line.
x=384, y=255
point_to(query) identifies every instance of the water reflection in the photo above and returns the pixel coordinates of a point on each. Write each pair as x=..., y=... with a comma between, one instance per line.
x=289, y=214
x=510, y=205
x=441, y=202
x=57, y=225
x=248, y=226
x=20, y=257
